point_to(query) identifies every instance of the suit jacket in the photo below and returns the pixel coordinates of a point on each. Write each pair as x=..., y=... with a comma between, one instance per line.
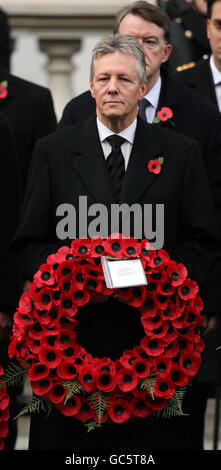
x=10, y=196
x=200, y=79
x=193, y=116
x=70, y=163
x=30, y=111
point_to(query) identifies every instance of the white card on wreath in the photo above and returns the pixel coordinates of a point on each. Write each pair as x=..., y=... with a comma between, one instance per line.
x=123, y=273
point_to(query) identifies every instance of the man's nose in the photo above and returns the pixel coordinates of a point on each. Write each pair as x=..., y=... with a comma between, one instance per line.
x=112, y=85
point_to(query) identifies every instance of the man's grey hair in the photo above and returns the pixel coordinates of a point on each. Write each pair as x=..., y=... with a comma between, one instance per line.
x=128, y=45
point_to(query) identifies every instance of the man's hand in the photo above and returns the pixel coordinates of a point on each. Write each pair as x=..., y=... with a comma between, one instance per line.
x=5, y=325
x=209, y=324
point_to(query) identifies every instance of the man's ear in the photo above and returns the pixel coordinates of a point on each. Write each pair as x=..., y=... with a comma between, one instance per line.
x=167, y=51
x=143, y=90
x=208, y=28
x=91, y=86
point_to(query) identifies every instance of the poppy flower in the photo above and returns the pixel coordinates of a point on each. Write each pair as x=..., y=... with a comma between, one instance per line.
x=106, y=364
x=188, y=290
x=164, y=113
x=138, y=294
x=3, y=92
x=57, y=392
x=160, y=259
x=126, y=379
x=67, y=305
x=114, y=245
x=171, y=349
x=149, y=307
x=38, y=371
x=22, y=319
x=81, y=297
x=190, y=363
x=43, y=300
x=153, y=347
x=78, y=277
x=85, y=412
x=158, y=403
x=41, y=387
x=150, y=323
x=36, y=331
x=66, y=370
x=164, y=387
x=154, y=166
x=4, y=414
x=64, y=269
x=164, y=287
x=141, y=367
x=87, y=377
x=71, y=407
x=80, y=246
x=140, y=407
x=25, y=304
x=128, y=357
x=162, y=364
x=45, y=275
x=171, y=311
x=4, y=428
x=119, y=411
x=65, y=338
x=97, y=247
x=105, y=381
x=131, y=247
x=177, y=273
x=50, y=356
x=178, y=376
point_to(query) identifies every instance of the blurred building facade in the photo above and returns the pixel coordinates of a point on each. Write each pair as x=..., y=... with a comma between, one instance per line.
x=52, y=41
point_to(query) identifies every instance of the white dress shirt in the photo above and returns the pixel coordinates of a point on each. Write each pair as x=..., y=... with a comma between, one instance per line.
x=153, y=97
x=127, y=134
x=217, y=80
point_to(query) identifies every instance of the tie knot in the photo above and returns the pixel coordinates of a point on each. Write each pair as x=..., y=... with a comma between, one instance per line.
x=115, y=140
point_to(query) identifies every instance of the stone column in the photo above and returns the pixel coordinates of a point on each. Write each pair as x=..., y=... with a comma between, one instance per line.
x=59, y=68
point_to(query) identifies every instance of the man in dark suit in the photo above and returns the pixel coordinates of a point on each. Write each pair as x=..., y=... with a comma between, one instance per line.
x=10, y=197
x=73, y=162
x=205, y=77
x=192, y=115
x=30, y=111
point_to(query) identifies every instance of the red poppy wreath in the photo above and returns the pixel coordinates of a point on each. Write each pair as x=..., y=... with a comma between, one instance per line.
x=149, y=378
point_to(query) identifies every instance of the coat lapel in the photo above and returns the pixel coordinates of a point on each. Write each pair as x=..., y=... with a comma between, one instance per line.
x=138, y=179
x=89, y=162
x=201, y=78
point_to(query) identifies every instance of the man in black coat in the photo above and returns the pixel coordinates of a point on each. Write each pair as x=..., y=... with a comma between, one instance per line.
x=193, y=116
x=10, y=197
x=30, y=111
x=71, y=163
x=205, y=77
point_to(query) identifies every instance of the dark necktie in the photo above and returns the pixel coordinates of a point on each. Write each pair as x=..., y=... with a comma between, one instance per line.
x=115, y=163
x=142, y=109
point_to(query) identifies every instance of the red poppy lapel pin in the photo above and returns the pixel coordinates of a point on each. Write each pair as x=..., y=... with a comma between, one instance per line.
x=3, y=90
x=163, y=115
x=154, y=166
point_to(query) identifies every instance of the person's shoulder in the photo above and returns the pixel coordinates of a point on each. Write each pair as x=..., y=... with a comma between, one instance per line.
x=83, y=98
x=64, y=135
x=190, y=96
x=28, y=87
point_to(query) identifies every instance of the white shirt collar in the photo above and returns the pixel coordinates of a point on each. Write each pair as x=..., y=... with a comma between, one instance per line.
x=215, y=72
x=153, y=95
x=127, y=133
